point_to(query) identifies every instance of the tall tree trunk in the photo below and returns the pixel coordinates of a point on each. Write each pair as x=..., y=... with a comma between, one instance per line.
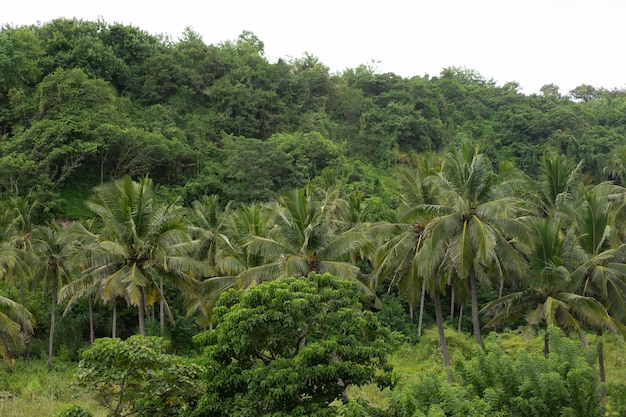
x=460, y=317
x=161, y=307
x=475, y=317
x=601, y=357
x=442, y=337
x=452, y=306
x=114, y=321
x=7, y=354
x=52, y=324
x=22, y=292
x=583, y=340
x=546, y=343
x=141, y=314
x=91, y=332
x=421, y=313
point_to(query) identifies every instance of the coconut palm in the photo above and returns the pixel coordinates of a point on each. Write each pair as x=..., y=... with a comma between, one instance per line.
x=303, y=239
x=557, y=185
x=602, y=275
x=223, y=255
x=140, y=244
x=475, y=225
x=550, y=296
x=395, y=259
x=83, y=236
x=53, y=270
x=14, y=319
x=207, y=225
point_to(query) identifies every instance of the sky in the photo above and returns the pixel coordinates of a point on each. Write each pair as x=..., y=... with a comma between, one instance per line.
x=532, y=42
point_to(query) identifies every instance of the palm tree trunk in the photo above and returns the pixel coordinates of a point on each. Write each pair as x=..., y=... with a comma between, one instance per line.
x=114, y=321
x=7, y=354
x=161, y=307
x=546, y=343
x=601, y=357
x=91, y=332
x=583, y=339
x=442, y=337
x=141, y=314
x=52, y=324
x=421, y=313
x=475, y=316
x=460, y=318
x=452, y=307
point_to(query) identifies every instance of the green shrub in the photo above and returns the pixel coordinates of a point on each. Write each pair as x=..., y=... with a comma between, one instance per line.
x=75, y=411
x=615, y=400
x=520, y=384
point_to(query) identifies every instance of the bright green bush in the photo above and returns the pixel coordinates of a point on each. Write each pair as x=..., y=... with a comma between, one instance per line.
x=495, y=383
x=75, y=411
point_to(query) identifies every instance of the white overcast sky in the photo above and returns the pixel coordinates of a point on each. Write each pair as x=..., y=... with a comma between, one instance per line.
x=533, y=42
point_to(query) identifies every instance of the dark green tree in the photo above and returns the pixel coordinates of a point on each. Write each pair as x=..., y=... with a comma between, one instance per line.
x=290, y=347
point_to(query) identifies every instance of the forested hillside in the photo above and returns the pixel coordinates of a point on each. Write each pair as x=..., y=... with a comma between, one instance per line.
x=86, y=102
x=300, y=225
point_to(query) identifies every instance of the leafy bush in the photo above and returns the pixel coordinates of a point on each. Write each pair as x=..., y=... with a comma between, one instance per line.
x=520, y=384
x=137, y=376
x=75, y=411
x=615, y=400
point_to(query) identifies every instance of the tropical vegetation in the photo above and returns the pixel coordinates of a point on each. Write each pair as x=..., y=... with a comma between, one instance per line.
x=195, y=229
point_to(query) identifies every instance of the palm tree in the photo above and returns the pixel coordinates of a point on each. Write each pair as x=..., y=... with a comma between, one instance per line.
x=140, y=244
x=475, y=226
x=395, y=258
x=17, y=229
x=14, y=319
x=557, y=185
x=53, y=270
x=603, y=272
x=84, y=240
x=209, y=226
x=550, y=295
x=303, y=239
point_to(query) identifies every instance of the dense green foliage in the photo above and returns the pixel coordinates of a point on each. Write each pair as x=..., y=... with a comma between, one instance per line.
x=497, y=383
x=137, y=376
x=208, y=171
x=291, y=347
x=85, y=102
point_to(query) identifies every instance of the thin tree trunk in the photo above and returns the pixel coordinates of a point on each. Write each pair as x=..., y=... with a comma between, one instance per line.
x=114, y=324
x=411, y=310
x=460, y=318
x=475, y=316
x=91, y=332
x=22, y=292
x=546, y=343
x=120, y=400
x=141, y=314
x=52, y=325
x=161, y=307
x=421, y=313
x=7, y=354
x=583, y=339
x=501, y=287
x=452, y=306
x=601, y=357
x=442, y=337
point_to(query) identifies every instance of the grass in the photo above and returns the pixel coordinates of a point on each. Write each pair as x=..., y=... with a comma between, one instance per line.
x=30, y=390
x=410, y=361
